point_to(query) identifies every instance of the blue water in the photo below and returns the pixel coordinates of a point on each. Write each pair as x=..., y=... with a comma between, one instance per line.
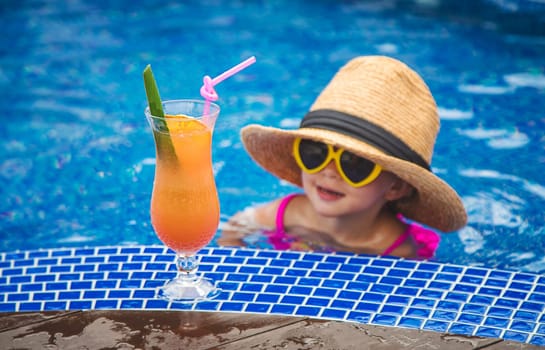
x=77, y=157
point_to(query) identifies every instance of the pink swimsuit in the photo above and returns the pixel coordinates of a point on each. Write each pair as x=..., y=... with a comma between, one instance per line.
x=426, y=240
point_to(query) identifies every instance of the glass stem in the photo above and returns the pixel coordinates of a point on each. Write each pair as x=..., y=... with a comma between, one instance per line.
x=187, y=266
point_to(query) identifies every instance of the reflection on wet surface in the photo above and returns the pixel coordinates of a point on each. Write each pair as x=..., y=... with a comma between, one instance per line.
x=206, y=330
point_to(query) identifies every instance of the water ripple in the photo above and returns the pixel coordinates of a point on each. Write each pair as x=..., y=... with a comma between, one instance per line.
x=498, y=138
x=454, y=114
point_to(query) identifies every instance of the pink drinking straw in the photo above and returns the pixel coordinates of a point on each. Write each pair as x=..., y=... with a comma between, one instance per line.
x=207, y=90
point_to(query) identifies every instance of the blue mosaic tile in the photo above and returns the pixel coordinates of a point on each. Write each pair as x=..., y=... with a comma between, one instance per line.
x=513, y=294
x=308, y=311
x=363, y=317
x=36, y=270
x=374, y=270
x=461, y=328
x=507, y=303
x=522, y=326
x=538, y=340
x=540, y=288
x=388, y=289
x=428, y=266
x=524, y=277
x=118, y=294
x=398, y=273
x=515, y=336
x=318, y=301
x=474, y=308
x=382, y=262
x=525, y=315
x=55, y=306
x=305, y=265
x=132, y=304
x=364, y=306
x=106, y=284
x=471, y=280
x=19, y=297
x=479, y=299
x=310, y=281
x=44, y=278
x=392, y=309
x=280, y=309
x=240, y=296
x=32, y=306
x=243, y=252
x=20, y=279
x=409, y=322
x=465, y=288
x=358, y=286
x=497, y=322
x=437, y=326
x=395, y=299
x=495, y=283
x=405, y=264
x=488, y=332
x=291, y=299
x=373, y=297
x=384, y=320
x=334, y=313
x=434, y=294
x=444, y=315
x=268, y=298
x=537, y=297
x=342, y=304
x=203, y=306
x=334, y=284
x=527, y=305
x=351, y=295
x=258, y=308
x=470, y=318
x=422, y=275
x=424, y=295
x=8, y=307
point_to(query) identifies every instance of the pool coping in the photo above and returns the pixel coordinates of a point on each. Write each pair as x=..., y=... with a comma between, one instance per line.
x=206, y=330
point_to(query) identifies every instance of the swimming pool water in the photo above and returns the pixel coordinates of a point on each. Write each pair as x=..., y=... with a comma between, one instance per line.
x=77, y=158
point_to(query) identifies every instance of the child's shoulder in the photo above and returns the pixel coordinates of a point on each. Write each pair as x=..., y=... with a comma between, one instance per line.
x=266, y=213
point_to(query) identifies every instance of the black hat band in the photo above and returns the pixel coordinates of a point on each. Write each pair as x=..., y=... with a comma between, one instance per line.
x=363, y=130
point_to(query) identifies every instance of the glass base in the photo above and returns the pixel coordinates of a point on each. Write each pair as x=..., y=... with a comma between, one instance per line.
x=188, y=289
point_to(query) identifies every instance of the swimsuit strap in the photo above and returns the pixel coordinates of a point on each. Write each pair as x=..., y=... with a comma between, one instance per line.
x=425, y=239
x=281, y=210
x=398, y=241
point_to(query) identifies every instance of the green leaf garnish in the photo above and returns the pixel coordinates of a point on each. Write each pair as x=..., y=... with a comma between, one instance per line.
x=163, y=142
x=154, y=100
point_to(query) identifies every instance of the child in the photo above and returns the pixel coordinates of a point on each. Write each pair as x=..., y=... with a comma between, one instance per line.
x=362, y=155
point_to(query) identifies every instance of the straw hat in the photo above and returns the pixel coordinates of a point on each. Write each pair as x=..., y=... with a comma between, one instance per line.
x=380, y=109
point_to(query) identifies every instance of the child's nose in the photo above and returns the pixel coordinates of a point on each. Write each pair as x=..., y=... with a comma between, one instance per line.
x=330, y=170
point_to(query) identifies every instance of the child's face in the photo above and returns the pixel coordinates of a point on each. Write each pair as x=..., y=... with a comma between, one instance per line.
x=331, y=196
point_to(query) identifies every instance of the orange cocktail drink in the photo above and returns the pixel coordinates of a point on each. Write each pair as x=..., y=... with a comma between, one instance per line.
x=184, y=204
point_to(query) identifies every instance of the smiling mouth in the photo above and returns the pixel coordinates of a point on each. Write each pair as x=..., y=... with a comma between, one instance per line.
x=329, y=194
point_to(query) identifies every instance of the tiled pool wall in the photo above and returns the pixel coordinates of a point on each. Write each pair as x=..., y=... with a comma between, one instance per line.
x=385, y=291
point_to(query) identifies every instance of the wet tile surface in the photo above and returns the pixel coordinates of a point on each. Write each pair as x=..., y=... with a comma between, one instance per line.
x=114, y=329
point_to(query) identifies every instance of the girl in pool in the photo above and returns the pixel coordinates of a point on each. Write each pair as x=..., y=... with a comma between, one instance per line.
x=362, y=155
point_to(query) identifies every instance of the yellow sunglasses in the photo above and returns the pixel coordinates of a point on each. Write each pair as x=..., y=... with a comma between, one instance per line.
x=313, y=156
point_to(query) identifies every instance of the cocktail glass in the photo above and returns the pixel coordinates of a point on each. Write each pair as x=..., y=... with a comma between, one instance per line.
x=184, y=203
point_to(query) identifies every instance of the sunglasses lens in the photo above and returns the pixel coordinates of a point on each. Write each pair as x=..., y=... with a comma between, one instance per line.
x=356, y=168
x=312, y=153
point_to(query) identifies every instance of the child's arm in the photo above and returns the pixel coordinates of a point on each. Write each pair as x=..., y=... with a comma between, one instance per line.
x=247, y=221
